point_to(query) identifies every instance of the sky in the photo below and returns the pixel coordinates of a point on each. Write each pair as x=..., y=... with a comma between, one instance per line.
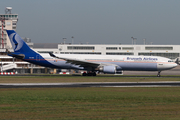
x=97, y=21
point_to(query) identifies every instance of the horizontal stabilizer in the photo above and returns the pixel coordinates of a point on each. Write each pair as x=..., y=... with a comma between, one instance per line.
x=18, y=56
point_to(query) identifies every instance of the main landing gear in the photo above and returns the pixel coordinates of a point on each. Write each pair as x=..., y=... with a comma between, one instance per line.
x=158, y=75
x=89, y=74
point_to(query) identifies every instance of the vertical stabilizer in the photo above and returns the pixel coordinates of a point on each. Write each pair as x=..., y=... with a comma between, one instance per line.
x=18, y=43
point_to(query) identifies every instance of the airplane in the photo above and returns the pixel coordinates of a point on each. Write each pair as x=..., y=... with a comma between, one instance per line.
x=111, y=64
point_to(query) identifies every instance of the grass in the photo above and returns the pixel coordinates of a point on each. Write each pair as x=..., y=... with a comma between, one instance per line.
x=62, y=79
x=90, y=103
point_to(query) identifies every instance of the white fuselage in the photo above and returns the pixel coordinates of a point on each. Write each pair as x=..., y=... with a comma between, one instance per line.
x=126, y=62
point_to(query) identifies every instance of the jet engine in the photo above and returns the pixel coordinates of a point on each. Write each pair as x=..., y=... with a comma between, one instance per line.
x=111, y=69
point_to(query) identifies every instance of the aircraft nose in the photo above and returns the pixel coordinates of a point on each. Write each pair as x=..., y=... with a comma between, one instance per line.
x=174, y=65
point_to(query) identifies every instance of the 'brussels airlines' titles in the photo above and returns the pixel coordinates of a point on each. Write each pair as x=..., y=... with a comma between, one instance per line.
x=142, y=59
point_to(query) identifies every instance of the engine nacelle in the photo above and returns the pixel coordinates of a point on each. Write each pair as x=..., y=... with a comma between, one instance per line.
x=110, y=69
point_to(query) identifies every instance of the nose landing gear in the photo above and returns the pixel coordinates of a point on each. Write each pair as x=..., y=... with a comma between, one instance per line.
x=158, y=75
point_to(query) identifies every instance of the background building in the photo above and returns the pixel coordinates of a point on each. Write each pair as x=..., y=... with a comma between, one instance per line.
x=169, y=51
x=8, y=21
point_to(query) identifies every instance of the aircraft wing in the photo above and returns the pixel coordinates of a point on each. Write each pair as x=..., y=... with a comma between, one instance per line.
x=82, y=63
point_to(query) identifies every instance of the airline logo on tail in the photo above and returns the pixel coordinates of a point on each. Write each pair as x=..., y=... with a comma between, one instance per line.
x=18, y=43
x=16, y=39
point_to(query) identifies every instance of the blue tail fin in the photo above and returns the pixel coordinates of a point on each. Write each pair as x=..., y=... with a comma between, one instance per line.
x=18, y=43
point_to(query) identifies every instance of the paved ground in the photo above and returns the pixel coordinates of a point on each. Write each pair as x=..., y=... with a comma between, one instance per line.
x=90, y=84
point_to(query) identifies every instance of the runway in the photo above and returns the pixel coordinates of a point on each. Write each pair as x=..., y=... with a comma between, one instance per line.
x=90, y=84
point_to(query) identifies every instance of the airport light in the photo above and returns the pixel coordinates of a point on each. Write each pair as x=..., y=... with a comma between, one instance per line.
x=144, y=41
x=64, y=40
x=132, y=40
x=135, y=39
x=72, y=39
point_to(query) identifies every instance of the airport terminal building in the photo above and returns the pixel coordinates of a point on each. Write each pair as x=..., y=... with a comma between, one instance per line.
x=169, y=51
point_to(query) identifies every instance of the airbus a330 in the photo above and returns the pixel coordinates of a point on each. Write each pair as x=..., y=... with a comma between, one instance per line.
x=111, y=64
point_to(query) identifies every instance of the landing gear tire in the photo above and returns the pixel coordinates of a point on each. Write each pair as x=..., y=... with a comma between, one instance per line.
x=94, y=74
x=84, y=74
x=89, y=74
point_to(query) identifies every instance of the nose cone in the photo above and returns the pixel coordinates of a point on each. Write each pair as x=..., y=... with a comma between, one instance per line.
x=175, y=65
